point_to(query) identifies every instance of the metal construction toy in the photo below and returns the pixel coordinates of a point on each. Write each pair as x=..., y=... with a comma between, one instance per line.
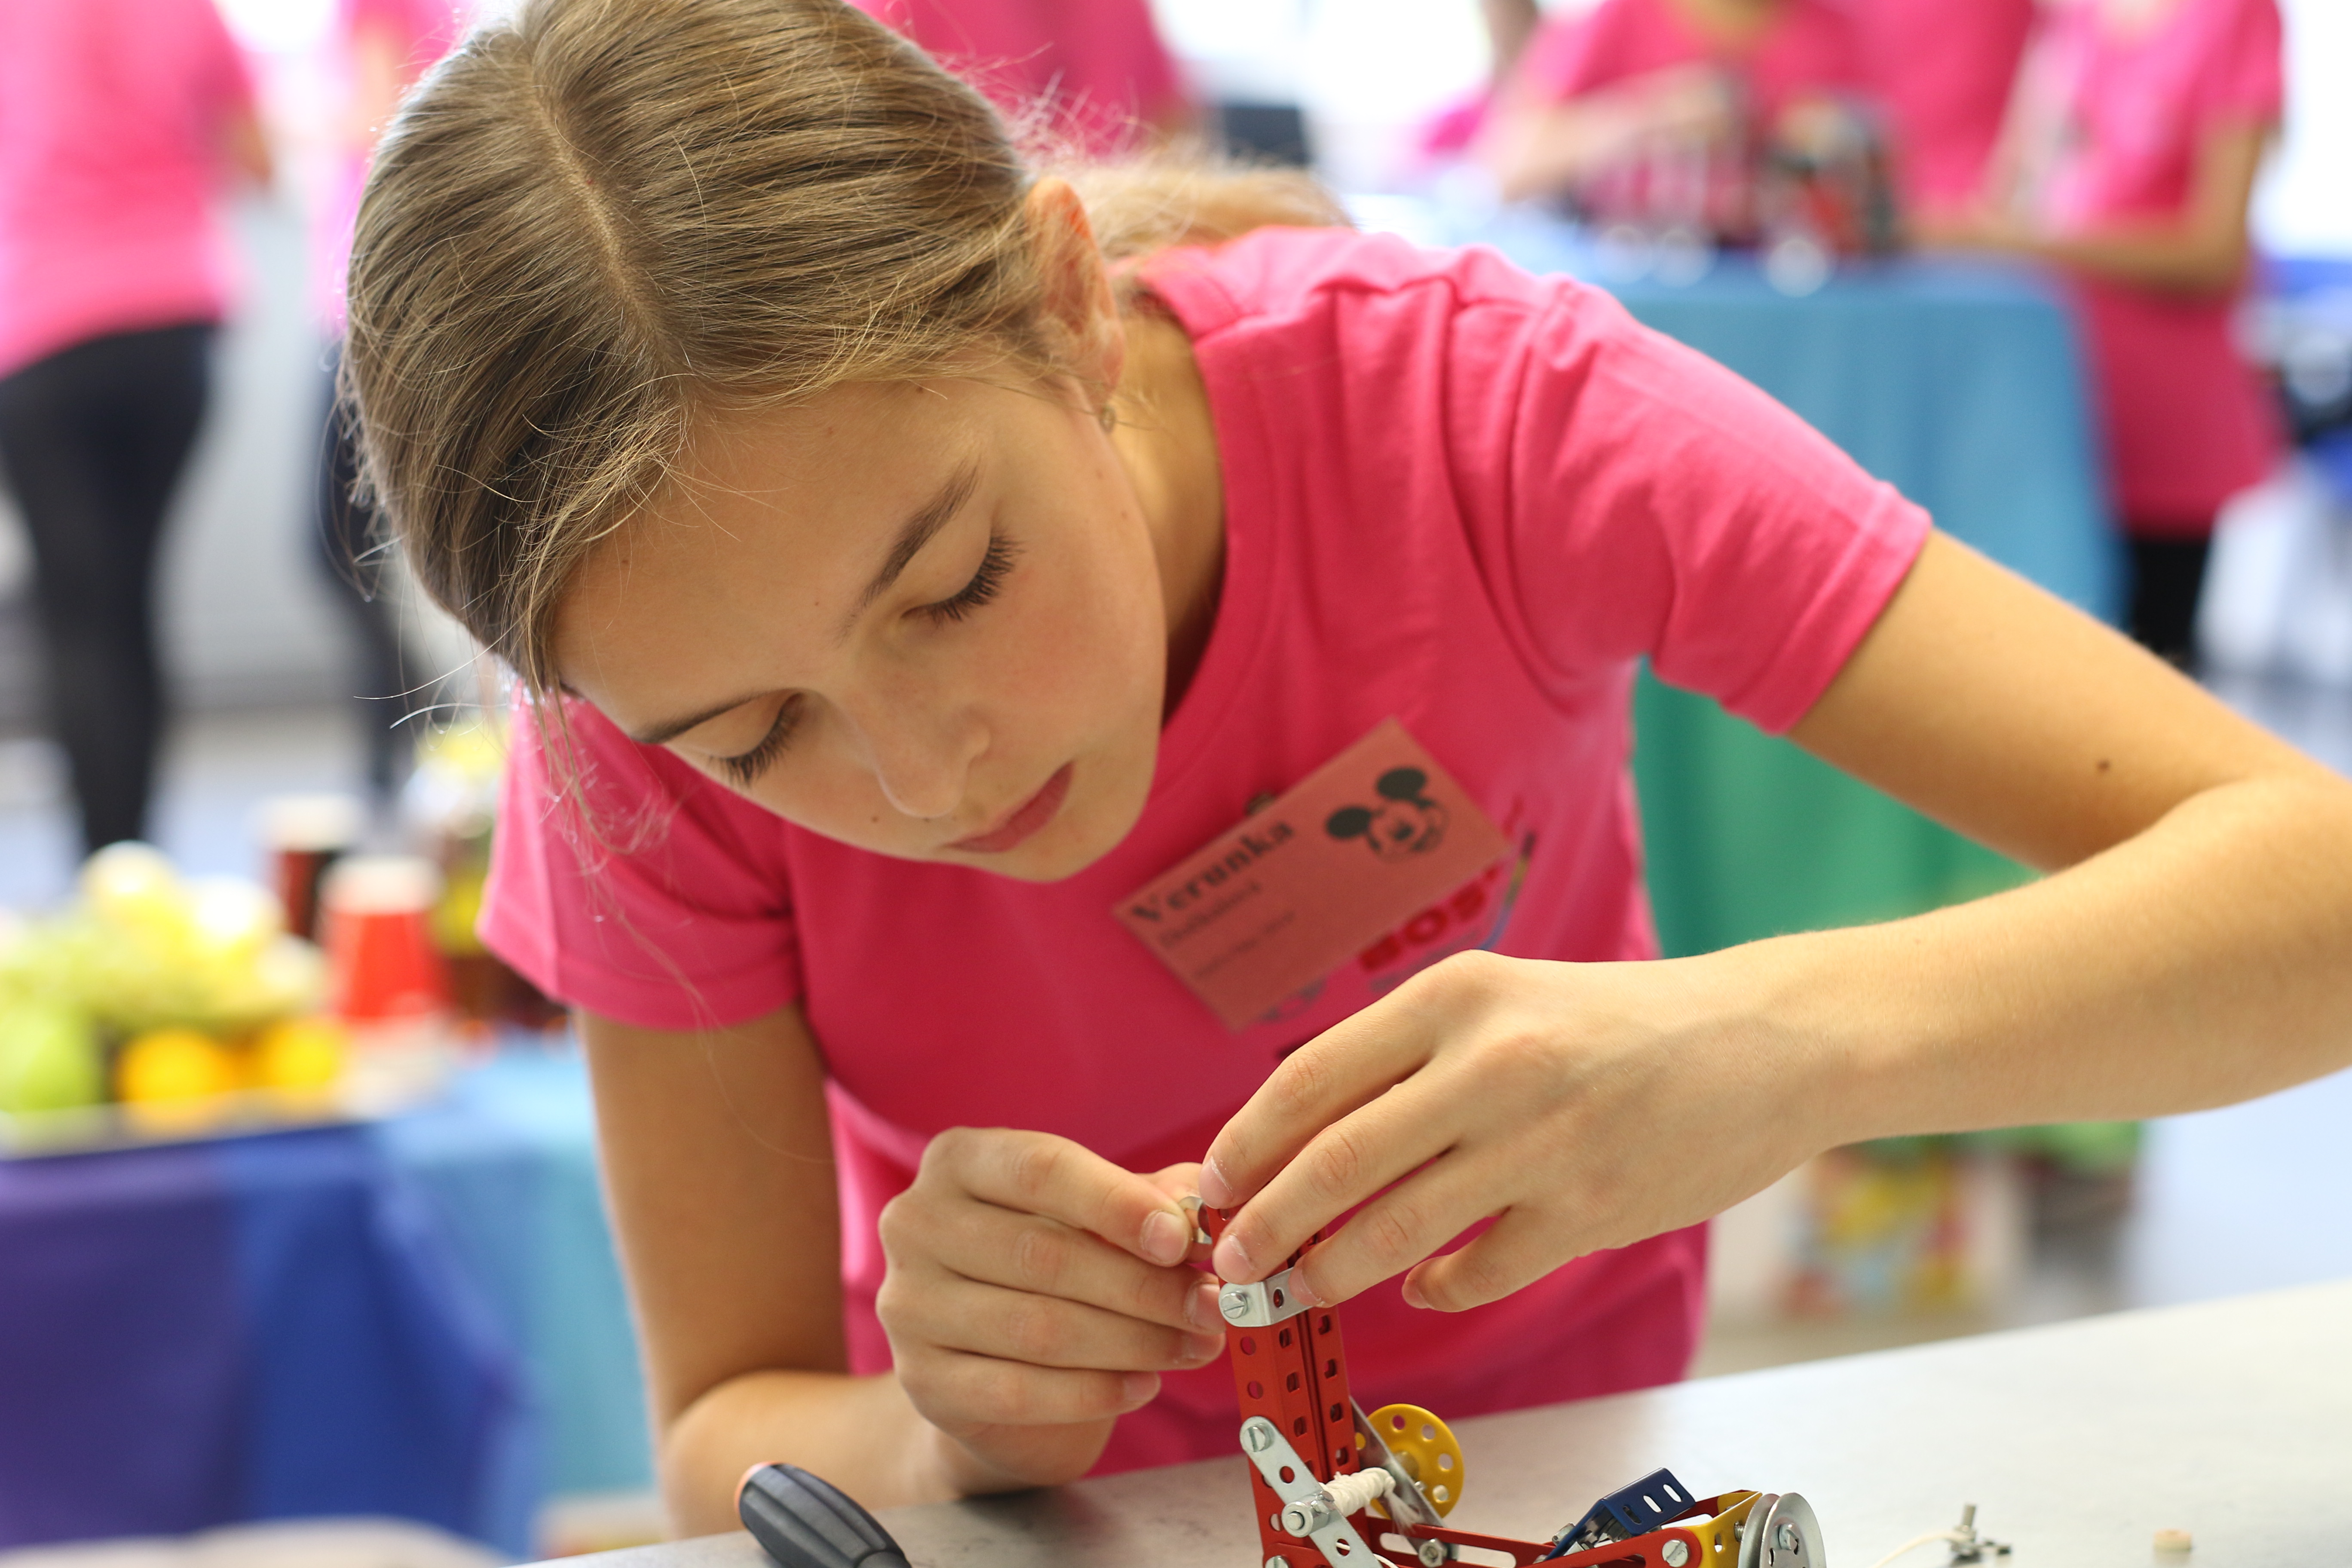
x=1335, y=1487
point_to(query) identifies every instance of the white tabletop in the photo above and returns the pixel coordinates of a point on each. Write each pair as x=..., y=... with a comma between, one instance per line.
x=2077, y=1442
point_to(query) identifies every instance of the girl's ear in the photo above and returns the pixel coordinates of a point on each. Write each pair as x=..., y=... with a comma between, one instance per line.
x=1077, y=285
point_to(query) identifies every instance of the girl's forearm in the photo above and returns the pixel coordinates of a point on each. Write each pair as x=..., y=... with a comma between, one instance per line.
x=862, y=1434
x=2205, y=961
x=2174, y=257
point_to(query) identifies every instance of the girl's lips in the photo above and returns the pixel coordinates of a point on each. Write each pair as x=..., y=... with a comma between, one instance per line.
x=1027, y=819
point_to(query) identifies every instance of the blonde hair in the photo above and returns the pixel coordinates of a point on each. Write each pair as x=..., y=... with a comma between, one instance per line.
x=608, y=218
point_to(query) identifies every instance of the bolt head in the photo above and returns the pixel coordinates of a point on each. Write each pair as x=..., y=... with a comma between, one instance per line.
x=1432, y=1554
x=1256, y=1437
x=1233, y=1303
x=1787, y=1537
x=1675, y=1553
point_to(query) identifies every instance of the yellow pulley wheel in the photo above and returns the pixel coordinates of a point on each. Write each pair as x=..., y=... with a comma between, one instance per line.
x=1426, y=1449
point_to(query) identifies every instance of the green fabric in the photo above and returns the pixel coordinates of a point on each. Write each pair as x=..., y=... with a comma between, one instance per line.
x=1749, y=837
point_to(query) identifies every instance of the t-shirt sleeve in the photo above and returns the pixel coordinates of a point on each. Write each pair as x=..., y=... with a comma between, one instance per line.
x=639, y=888
x=1631, y=498
x=2246, y=81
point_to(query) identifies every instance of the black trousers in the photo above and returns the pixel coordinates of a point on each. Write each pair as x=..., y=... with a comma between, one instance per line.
x=93, y=439
x=2168, y=578
x=351, y=551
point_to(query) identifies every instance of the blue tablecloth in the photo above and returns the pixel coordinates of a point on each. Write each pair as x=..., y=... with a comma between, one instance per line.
x=258, y=1328
x=421, y=1319
x=508, y=1165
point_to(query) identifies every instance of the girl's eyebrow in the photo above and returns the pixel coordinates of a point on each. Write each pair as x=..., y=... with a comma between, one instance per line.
x=928, y=520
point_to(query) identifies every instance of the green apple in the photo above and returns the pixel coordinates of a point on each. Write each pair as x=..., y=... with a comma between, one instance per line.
x=48, y=1057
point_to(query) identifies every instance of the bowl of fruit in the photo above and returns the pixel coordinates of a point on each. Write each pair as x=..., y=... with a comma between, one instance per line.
x=158, y=1008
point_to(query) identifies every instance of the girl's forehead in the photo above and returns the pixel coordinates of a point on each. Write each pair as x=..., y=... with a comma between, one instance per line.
x=779, y=508
x=846, y=437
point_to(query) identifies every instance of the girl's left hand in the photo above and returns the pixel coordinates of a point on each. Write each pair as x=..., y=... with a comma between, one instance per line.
x=1581, y=1106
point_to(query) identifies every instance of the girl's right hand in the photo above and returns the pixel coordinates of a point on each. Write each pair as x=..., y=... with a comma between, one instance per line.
x=1033, y=1293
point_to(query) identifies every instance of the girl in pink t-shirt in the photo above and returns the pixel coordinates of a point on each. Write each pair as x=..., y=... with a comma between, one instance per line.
x=1096, y=69
x=2138, y=144
x=1944, y=69
x=1594, y=94
x=906, y=561
x=123, y=123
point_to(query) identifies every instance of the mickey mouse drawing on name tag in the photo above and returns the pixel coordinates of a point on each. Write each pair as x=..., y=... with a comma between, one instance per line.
x=1408, y=822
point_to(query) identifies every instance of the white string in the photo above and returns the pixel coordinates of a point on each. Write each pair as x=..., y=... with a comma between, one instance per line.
x=1914, y=1544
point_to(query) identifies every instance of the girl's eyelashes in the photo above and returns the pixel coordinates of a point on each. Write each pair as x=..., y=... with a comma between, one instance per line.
x=985, y=582
x=746, y=767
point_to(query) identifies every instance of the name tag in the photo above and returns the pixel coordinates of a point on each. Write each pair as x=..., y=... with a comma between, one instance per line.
x=1261, y=914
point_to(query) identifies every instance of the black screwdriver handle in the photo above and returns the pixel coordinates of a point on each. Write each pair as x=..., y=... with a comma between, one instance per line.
x=805, y=1522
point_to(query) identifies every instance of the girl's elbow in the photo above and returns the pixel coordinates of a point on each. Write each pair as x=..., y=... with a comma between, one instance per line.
x=696, y=1496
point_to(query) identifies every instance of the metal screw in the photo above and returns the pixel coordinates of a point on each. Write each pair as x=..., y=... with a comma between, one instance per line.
x=1233, y=1302
x=1256, y=1435
x=1432, y=1554
x=1675, y=1553
x=1787, y=1538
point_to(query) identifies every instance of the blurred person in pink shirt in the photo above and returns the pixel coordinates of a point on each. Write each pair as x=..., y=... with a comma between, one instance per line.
x=379, y=48
x=121, y=122
x=1099, y=67
x=2142, y=125
x=1590, y=92
x=1943, y=69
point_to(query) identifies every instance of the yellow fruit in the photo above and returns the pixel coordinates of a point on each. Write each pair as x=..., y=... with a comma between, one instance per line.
x=133, y=884
x=299, y=1053
x=170, y=1065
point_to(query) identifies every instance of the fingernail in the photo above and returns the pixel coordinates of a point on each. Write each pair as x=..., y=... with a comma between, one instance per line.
x=1231, y=1259
x=1199, y=1348
x=1215, y=1190
x=1412, y=1296
x=1303, y=1291
x=1201, y=1308
x=1165, y=1239
x=1138, y=1387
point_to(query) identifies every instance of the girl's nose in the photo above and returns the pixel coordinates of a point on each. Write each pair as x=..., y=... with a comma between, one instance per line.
x=923, y=763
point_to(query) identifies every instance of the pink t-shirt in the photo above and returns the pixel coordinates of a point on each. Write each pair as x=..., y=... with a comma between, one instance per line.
x=1943, y=69
x=2188, y=425
x=419, y=32
x=111, y=118
x=1099, y=64
x=1454, y=494
x=1812, y=47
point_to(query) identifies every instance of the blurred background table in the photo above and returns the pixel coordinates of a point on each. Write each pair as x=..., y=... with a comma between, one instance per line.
x=421, y=1319
x=1960, y=384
